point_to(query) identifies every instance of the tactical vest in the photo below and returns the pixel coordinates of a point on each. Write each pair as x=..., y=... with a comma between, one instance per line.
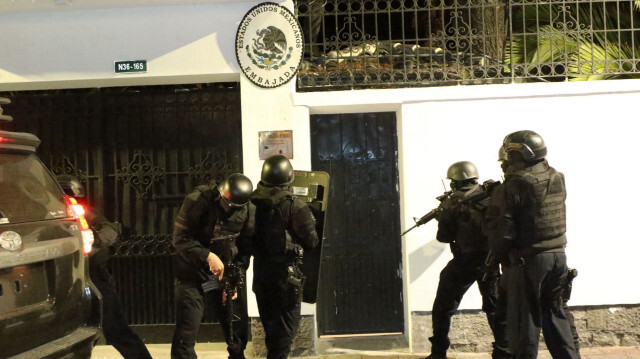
x=273, y=239
x=469, y=239
x=548, y=186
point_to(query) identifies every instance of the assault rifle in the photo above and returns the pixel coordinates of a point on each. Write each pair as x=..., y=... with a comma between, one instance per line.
x=430, y=215
x=473, y=199
x=232, y=278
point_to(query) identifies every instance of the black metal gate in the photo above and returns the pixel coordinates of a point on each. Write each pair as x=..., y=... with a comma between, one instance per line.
x=361, y=273
x=139, y=152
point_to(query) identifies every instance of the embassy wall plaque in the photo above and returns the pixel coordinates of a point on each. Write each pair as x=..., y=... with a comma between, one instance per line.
x=269, y=45
x=275, y=142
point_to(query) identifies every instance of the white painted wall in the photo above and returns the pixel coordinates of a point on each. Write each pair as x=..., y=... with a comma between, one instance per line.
x=590, y=131
x=590, y=138
x=590, y=128
x=71, y=48
x=272, y=110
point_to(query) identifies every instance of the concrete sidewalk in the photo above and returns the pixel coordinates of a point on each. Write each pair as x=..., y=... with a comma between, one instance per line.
x=218, y=351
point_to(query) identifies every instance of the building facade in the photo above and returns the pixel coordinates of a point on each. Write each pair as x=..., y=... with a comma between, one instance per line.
x=387, y=150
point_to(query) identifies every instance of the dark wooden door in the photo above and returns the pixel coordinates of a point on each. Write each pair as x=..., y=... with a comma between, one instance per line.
x=139, y=151
x=361, y=271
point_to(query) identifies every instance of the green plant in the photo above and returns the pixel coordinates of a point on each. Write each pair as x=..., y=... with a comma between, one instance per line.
x=583, y=40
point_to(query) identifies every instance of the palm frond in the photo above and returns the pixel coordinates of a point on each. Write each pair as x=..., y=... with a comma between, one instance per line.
x=597, y=40
x=595, y=62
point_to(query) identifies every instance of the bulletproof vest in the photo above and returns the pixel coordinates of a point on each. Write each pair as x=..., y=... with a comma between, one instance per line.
x=468, y=237
x=550, y=194
x=273, y=238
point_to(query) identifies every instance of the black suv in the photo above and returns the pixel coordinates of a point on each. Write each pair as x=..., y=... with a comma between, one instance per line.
x=48, y=306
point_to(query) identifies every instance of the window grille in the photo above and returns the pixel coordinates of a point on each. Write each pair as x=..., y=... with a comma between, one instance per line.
x=404, y=43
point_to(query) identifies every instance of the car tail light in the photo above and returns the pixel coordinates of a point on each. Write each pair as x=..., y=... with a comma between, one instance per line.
x=76, y=211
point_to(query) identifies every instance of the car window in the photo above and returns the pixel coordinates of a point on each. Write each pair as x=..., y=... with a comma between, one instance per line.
x=28, y=192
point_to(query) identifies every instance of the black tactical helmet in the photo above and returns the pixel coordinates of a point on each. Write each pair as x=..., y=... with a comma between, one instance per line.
x=71, y=185
x=277, y=171
x=461, y=171
x=528, y=143
x=236, y=189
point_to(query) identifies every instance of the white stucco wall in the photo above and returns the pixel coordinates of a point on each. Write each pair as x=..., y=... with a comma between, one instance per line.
x=71, y=48
x=590, y=128
x=590, y=139
x=272, y=110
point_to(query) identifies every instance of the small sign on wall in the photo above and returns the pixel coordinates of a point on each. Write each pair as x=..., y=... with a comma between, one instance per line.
x=128, y=67
x=275, y=142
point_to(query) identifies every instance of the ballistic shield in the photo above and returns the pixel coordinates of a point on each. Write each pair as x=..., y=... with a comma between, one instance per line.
x=312, y=187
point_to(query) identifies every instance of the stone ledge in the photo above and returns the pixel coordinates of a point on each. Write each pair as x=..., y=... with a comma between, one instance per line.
x=611, y=326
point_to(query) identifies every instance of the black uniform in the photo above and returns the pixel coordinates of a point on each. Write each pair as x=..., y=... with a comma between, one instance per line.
x=460, y=225
x=526, y=220
x=200, y=219
x=284, y=227
x=114, y=324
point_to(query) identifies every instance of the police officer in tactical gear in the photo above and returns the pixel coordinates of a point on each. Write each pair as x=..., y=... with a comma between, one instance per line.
x=285, y=228
x=209, y=213
x=460, y=225
x=526, y=225
x=114, y=325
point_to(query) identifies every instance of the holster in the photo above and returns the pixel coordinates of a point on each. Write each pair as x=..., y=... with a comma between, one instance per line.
x=295, y=283
x=295, y=276
x=568, y=284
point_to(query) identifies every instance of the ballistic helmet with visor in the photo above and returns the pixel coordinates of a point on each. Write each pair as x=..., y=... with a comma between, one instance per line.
x=461, y=171
x=236, y=189
x=528, y=143
x=277, y=171
x=71, y=185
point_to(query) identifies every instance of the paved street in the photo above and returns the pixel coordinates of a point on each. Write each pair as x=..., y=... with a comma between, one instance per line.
x=218, y=351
